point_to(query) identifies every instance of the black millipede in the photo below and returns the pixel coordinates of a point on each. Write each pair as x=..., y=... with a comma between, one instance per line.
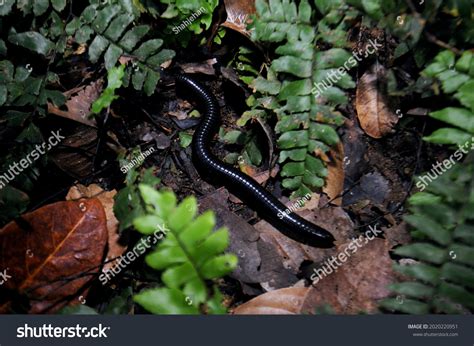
x=248, y=190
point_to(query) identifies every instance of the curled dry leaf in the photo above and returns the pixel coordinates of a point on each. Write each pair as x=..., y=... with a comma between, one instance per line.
x=238, y=15
x=52, y=253
x=375, y=116
x=285, y=301
x=79, y=103
x=106, y=198
x=335, y=179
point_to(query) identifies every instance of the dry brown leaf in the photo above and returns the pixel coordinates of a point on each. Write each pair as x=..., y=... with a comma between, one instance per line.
x=205, y=67
x=238, y=15
x=76, y=154
x=292, y=253
x=375, y=116
x=285, y=301
x=52, y=252
x=358, y=284
x=335, y=178
x=79, y=103
x=115, y=249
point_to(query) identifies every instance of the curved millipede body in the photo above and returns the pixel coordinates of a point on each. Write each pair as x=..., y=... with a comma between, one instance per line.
x=243, y=186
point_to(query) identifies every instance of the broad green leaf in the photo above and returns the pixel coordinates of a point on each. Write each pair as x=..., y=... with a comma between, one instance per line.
x=420, y=271
x=33, y=41
x=165, y=301
x=423, y=251
x=430, y=228
x=148, y=224
x=448, y=136
x=459, y=117
x=183, y=214
x=165, y=257
x=198, y=230
x=412, y=289
x=219, y=266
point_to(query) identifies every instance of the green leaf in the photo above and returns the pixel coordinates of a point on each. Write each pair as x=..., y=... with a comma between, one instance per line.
x=465, y=95
x=33, y=41
x=459, y=117
x=422, y=251
x=410, y=306
x=148, y=224
x=3, y=94
x=133, y=36
x=185, y=139
x=148, y=48
x=430, y=228
x=183, y=214
x=412, y=289
x=291, y=169
x=112, y=55
x=114, y=81
x=97, y=48
x=293, y=139
x=58, y=5
x=420, y=271
x=423, y=198
x=219, y=266
x=40, y=7
x=165, y=301
x=448, y=136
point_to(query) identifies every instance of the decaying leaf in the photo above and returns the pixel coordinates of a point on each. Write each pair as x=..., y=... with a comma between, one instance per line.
x=79, y=103
x=115, y=249
x=335, y=179
x=375, y=116
x=52, y=253
x=292, y=254
x=285, y=301
x=238, y=15
x=354, y=288
x=358, y=284
x=205, y=67
x=76, y=154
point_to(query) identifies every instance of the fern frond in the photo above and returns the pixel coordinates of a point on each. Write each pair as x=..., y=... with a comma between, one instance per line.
x=190, y=255
x=109, y=31
x=443, y=229
x=305, y=122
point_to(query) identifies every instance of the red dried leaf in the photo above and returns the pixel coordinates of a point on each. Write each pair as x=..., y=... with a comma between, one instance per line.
x=52, y=253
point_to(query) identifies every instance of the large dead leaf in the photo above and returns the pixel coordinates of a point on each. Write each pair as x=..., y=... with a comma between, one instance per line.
x=238, y=15
x=375, y=116
x=355, y=287
x=358, y=284
x=79, y=103
x=285, y=301
x=52, y=253
x=259, y=261
x=106, y=198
